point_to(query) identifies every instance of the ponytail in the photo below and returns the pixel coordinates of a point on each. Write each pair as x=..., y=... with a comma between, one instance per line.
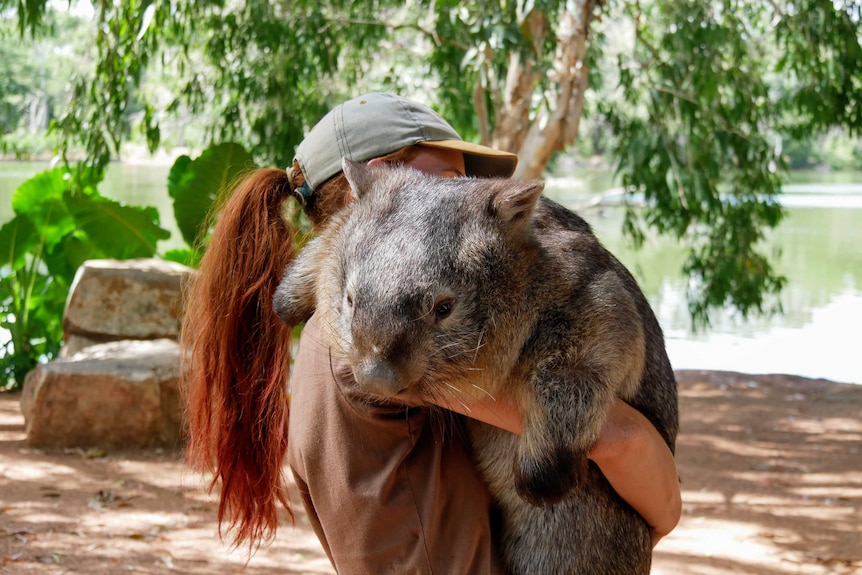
x=238, y=355
x=237, y=351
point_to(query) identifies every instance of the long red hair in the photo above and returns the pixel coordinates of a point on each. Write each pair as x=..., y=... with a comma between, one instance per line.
x=238, y=355
x=237, y=351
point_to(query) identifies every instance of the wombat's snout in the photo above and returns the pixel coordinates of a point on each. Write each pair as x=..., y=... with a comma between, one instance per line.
x=378, y=377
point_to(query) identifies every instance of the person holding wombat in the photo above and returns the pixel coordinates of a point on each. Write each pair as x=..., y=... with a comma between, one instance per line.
x=386, y=488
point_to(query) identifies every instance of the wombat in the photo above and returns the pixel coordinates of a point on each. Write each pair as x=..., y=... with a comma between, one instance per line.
x=432, y=286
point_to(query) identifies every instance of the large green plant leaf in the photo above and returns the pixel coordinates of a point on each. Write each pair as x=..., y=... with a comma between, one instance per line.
x=196, y=184
x=45, y=324
x=187, y=257
x=64, y=261
x=18, y=237
x=40, y=199
x=116, y=230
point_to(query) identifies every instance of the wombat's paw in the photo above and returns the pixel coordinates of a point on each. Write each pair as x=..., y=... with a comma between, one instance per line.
x=545, y=481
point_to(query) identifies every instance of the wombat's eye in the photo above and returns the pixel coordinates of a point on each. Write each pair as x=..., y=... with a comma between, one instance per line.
x=349, y=299
x=443, y=309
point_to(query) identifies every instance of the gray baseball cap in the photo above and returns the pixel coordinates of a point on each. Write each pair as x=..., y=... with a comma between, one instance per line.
x=377, y=124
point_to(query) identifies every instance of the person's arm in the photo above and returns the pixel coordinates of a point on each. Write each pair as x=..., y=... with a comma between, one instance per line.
x=639, y=465
x=630, y=452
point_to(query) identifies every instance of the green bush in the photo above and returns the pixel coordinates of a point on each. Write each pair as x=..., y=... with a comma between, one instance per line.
x=60, y=221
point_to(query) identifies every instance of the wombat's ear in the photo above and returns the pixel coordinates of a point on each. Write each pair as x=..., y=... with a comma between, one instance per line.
x=359, y=176
x=515, y=200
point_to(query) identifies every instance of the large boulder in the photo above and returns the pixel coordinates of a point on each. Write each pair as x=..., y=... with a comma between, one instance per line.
x=117, y=394
x=113, y=300
x=116, y=382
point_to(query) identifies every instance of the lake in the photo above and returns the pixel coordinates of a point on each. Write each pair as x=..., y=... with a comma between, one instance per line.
x=819, y=333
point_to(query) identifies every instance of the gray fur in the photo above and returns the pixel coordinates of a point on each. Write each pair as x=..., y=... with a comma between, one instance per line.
x=465, y=287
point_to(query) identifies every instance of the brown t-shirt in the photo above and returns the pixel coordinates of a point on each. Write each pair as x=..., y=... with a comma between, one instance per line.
x=387, y=490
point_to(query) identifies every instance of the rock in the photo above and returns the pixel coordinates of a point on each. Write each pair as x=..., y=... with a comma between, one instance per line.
x=132, y=299
x=73, y=343
x=117, y=394
x=116, y=382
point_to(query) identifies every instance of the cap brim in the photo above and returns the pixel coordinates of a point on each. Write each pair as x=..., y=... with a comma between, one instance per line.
x=480, y=161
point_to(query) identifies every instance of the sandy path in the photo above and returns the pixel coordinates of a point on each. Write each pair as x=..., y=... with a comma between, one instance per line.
x=771, y=470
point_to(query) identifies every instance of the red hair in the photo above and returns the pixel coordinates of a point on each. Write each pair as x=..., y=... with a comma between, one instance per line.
x=237, y=357
x=237, y=351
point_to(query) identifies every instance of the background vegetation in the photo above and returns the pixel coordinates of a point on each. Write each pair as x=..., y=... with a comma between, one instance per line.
x=700, y=105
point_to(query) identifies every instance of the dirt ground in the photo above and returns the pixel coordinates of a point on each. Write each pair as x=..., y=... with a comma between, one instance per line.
x=770, y=466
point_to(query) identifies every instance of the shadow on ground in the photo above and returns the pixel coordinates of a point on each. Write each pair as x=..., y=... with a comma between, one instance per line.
x=770, y=466
x=771, y=473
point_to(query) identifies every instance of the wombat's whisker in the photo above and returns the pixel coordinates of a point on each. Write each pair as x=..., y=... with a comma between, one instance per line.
x=322, y=342
x=458, y=352
x=483, y=390
x=453, y=344
x=462, y=344
x=479, y=345
x=464, y=405
x=451, y=389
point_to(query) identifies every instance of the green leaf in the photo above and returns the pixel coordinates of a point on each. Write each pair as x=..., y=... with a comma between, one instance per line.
x=177, y=173
x=196, y=184
x=18, y=237
x=40, y=199
x=187, y=257
x=118, y=231
x=64, y=261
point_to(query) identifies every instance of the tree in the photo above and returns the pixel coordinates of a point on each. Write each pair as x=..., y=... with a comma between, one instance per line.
x=699, y=92
x=33, y=78
x=698, y=122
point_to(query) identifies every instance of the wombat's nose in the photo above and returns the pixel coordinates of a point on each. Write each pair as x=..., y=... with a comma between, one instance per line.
x=378, y=377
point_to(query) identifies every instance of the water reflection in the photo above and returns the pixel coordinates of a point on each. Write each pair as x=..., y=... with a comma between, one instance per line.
x=819, y=250
x=827, y=345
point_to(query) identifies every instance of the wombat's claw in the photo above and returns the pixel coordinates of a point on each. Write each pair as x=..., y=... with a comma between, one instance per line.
x=545, y=482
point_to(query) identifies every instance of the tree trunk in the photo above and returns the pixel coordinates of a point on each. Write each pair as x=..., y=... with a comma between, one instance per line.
x=521, y=79
x=535, y=137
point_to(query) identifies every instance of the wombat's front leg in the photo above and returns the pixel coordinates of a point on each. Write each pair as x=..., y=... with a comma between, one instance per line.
x=295, y=297
x=559, y=429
